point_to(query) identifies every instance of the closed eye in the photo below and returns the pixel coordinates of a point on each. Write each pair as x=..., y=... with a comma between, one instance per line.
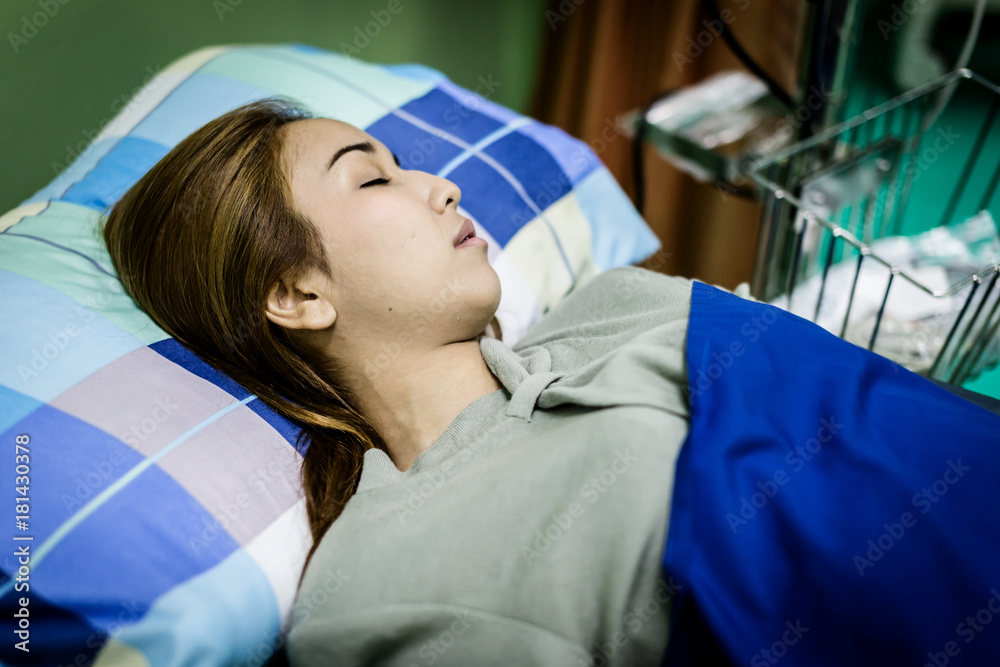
x=382, y=181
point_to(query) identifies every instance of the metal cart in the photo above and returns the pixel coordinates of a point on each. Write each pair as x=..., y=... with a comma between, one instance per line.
x=838, y=205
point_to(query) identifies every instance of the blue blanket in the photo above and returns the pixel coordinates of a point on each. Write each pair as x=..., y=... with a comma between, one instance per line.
x=830, y=507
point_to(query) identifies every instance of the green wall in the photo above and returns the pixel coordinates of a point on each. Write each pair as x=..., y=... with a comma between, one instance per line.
x=60, y=83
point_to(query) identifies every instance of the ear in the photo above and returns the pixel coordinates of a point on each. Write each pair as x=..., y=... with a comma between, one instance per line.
x=301, y=304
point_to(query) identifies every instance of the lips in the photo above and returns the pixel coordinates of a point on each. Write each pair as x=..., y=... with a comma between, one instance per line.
x=467, y=230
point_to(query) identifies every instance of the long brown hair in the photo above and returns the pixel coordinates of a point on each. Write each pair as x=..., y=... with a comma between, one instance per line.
x=198, y=242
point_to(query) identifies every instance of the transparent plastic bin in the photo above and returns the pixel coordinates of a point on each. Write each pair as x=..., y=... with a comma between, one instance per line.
x=846, y=237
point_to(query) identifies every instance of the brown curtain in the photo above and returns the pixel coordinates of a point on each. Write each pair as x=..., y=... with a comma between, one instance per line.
x=602, y=58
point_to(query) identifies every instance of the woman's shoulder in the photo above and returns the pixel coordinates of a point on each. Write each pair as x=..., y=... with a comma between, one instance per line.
x=620, y=301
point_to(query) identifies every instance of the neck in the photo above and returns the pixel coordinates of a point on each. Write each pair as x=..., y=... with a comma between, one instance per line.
x=413, y=398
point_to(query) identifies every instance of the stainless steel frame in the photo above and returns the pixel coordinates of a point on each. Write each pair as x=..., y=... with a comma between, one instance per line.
x=828, y=197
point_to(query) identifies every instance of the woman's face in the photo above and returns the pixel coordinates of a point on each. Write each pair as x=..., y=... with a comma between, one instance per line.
x=390, y=237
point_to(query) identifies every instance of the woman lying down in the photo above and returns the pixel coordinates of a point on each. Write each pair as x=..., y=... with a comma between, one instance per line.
x=659, y=472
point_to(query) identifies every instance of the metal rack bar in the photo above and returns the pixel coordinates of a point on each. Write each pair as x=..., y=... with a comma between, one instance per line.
x=881, y=311
x=850, y=299
x=991, y=188
x=954, y=327
x=977, y=148
x=826, y=271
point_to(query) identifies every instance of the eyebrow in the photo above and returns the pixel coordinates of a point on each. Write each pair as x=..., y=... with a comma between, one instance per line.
x=364, y=147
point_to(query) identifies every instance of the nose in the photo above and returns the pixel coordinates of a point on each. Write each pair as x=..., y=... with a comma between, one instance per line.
x=443, y=193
